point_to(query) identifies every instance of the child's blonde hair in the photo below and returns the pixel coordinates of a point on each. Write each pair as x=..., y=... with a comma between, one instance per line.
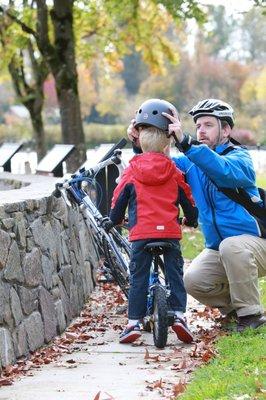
x=153, y=139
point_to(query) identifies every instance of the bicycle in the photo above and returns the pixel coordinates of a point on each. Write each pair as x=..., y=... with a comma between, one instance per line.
x=159, y=316
x=116, y=250
x=112, y=245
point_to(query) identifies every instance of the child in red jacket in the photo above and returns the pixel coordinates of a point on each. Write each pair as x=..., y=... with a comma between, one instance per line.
x=152, y=188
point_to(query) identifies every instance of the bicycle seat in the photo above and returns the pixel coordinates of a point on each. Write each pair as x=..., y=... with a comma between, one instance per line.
x=157, y=247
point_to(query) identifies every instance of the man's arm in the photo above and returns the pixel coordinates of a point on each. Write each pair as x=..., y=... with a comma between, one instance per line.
x=232, y=170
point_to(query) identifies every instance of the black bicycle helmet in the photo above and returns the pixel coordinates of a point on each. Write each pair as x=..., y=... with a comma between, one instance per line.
x=150, y=114
x=214, y=108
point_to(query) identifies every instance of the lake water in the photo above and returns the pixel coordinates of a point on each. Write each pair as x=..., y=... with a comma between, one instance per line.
x=26, y=162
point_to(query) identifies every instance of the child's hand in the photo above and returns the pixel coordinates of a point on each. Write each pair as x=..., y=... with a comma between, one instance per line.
x=133, y=133
x=106, y=224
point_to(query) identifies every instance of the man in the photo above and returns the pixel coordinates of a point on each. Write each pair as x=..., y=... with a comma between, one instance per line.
x=225, y=274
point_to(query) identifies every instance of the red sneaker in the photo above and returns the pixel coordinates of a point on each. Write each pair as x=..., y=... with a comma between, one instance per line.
x=182, y=331
x=130, y=334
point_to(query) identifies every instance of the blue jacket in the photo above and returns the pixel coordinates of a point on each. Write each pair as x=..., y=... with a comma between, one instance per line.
x=219, y=216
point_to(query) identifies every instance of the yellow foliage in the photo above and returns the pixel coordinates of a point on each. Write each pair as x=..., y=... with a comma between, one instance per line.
x=261, y=86
x=248, y=90
x=254, y=88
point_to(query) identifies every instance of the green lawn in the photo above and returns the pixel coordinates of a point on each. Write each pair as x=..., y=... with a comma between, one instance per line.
x=239, y=370
x=192, y=243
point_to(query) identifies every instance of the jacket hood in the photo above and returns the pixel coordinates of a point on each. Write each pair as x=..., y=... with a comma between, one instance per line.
x=152, y=168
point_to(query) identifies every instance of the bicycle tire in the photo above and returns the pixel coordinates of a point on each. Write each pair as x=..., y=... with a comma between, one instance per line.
x=159, y=318
x=118, y=271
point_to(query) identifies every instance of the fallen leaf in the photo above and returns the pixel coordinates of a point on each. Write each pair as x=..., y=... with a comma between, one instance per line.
x=179, y=388
x=97, y=397
x=158, y=384
x=71, y=361
x=147, y=355
x=5, y=381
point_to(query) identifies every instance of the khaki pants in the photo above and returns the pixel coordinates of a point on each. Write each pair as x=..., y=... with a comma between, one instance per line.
x=228, y=278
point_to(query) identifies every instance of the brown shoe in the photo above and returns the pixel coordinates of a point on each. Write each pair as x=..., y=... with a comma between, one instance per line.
x=250, y=321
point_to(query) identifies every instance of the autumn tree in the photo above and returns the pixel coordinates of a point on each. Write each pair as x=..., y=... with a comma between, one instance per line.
x=98, y=28
x=28, y=71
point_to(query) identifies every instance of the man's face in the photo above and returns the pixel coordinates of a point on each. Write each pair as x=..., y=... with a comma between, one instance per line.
x=210, y=132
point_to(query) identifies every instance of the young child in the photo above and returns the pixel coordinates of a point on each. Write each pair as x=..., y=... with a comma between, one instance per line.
x=152, y=188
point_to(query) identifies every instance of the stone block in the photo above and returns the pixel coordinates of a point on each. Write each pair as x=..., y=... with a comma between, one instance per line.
x=67, y=307
x=44, y=237
x=47, y=270
x=8, y=223
x=20, y=341
x=60, y=317
x=34, y=331
x=74, y=300
x=28, y=299
x=20, y=228
x=47, y=308
x=32, y=267
x=66, y=277
x=15, y=306
x=5, y=242
x=7, y=355
x=5, y=310
x=13, y=271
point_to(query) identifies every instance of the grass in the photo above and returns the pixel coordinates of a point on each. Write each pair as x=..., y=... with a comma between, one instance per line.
x=261, y=180
x=192, y=243
x=239, y=370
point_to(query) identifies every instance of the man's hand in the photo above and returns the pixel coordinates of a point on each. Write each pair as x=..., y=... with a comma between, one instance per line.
x=107, y=224
x=133, y=133
x=175, y=127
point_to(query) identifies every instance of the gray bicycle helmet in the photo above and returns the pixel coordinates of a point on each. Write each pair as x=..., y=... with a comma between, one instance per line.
x=215, y=108
x=150, y=114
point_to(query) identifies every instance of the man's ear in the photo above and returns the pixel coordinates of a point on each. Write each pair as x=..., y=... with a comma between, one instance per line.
x=226, y=131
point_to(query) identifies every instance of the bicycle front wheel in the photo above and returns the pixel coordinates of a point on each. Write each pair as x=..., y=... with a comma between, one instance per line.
x=160, y=321
x=117, y=258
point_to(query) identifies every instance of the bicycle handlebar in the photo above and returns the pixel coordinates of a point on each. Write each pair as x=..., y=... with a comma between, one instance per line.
x=73, y=186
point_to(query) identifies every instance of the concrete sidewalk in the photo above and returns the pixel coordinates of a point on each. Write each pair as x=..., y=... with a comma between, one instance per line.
x=101, y=364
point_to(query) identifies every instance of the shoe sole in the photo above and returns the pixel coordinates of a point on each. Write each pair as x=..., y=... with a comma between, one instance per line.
x=130, y=338
x=182, y=333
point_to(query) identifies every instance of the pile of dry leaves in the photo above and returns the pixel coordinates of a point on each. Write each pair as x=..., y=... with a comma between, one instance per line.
x=95, y=320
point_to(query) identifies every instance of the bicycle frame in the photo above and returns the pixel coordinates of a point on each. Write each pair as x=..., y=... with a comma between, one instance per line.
x=73, y=191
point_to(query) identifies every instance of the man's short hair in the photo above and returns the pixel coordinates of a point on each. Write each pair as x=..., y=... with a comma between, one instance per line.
x=225, y=123
x=153, y=139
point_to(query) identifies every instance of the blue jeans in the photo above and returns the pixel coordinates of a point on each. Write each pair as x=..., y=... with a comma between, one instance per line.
x=140, y=264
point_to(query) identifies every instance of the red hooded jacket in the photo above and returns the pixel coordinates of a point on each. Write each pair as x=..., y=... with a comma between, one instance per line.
x=152, y=188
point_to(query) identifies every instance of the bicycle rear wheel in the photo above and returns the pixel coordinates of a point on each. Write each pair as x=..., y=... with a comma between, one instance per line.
x=160, y=320
x=118, y=261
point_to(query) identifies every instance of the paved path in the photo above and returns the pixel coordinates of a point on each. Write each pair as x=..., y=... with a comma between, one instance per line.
x=101, y=364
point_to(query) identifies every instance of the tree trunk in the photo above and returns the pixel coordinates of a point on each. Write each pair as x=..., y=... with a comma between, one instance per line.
x=72, y=130
x=38, y=130
x=67, y=81
x=61, y=59
x=32, y=98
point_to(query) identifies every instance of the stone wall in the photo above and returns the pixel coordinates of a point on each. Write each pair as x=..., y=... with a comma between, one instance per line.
x=47, y=264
